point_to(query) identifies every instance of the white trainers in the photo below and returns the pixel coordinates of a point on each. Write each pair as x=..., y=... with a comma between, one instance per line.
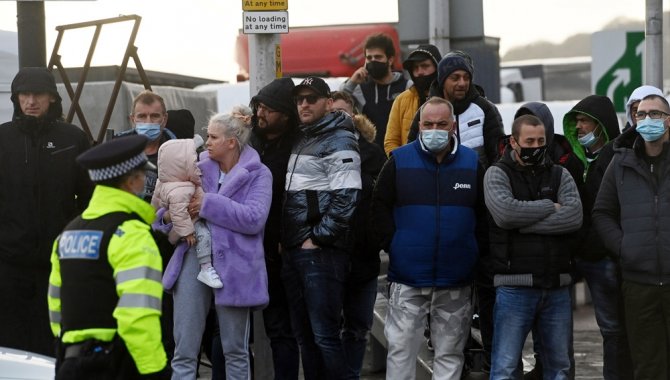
x=210, y=278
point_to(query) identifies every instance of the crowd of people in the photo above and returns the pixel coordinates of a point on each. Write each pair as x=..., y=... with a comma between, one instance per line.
x=287, y=203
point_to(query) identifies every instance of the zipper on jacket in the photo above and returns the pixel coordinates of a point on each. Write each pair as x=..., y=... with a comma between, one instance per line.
x=436, y=252
x=658, y=253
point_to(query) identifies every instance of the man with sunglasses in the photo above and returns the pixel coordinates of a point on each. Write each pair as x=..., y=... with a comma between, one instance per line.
x=323, y=183
x=591, y=127
x=631, y=213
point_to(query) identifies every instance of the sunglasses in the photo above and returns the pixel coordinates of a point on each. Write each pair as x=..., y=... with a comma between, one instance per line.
x=311, y=99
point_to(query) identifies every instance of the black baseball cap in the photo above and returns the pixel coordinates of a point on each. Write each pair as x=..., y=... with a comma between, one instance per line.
x=316, y=84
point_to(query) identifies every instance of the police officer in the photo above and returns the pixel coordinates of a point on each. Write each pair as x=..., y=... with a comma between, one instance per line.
x=105, y=285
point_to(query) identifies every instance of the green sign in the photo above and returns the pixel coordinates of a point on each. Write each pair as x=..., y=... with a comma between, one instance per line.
x=625, y=73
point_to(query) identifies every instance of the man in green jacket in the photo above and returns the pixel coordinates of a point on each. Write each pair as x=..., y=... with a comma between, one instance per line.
x=105, y=284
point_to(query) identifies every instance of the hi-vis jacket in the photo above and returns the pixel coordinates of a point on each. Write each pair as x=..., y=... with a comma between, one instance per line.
x=84, y=287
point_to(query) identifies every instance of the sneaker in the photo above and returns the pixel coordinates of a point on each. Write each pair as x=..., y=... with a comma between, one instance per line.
x=210, y=278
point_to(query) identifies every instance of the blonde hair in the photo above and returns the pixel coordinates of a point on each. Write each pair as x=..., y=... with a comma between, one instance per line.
x=236, y=124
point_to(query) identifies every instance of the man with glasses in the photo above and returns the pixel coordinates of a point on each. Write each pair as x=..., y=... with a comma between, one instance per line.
x=426, y=207
x=591, y=127
x=631, y=213
x=275, y=127
x=323, y=182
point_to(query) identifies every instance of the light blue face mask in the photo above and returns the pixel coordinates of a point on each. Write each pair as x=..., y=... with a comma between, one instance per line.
x=588, y=140
x=151, y=130
x=651, y=129
x=435, y=140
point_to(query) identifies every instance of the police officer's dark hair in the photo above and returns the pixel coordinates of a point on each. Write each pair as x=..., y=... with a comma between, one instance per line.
x=117, y=181
x=527, y=119
x=381, y=41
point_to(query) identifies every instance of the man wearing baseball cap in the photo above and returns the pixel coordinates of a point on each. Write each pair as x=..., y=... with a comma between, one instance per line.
x=105, y=286
x=41, y=189
x=323, y=182
x=421, y=64
x=478, y=122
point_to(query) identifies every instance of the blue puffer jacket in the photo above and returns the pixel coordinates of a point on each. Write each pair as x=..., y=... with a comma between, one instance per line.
x=323, y=182
x=434, y=208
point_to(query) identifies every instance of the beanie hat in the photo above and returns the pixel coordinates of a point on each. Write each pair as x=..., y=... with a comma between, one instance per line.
x=451, y=63
x=421, y=53
x=277, y=96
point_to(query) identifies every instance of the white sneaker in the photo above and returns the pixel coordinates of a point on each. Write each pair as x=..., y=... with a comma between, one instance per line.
x=210, y=278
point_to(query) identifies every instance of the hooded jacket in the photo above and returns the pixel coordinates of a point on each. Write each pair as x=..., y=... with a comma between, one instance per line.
x=601, y=109
x=479, y=125
x=41, y=186
x=178, y=181
x=375, y=100
x=323, y=184
x=632, y=210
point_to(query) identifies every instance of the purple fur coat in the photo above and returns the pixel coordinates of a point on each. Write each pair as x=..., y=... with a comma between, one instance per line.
x=236, y=215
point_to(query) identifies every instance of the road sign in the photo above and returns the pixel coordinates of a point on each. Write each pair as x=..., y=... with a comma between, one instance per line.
x=264, y=5
x=278, y=68
x=265, y=22
x=617, y=62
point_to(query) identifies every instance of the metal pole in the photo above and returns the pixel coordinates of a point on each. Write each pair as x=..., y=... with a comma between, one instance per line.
x=438, y=24
x=31, y=33
x=654, y=43
x=262, y=69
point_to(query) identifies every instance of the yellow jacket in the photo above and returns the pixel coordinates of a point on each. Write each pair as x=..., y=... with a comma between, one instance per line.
x=400, y=119
x=137, y=267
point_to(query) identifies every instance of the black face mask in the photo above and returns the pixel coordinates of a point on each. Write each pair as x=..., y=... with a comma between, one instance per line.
x=423, y=83
x=376, y=69
x=532, y=156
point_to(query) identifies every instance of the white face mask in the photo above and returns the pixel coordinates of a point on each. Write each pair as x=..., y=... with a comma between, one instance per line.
x=435, y=140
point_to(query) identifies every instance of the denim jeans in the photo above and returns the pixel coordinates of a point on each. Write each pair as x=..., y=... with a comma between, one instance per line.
x=515, y=312
x=605, y=287
x=358, y=310
x=314, y=282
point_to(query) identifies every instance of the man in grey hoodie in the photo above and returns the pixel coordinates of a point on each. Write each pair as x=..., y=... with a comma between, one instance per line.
x=375, y=86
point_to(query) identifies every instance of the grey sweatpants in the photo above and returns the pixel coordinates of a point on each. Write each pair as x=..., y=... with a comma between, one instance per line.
x=450, y=317
x=203, y=246
x=192, y=300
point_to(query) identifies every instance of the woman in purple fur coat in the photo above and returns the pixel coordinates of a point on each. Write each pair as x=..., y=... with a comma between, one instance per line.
x=238, y=192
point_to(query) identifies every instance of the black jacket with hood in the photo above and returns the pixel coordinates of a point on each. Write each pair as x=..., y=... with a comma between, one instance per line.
x=274, y=154
x=41, y=186
x=601, y=109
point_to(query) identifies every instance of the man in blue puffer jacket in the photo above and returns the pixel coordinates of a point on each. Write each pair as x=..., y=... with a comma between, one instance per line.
x=427, y=205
